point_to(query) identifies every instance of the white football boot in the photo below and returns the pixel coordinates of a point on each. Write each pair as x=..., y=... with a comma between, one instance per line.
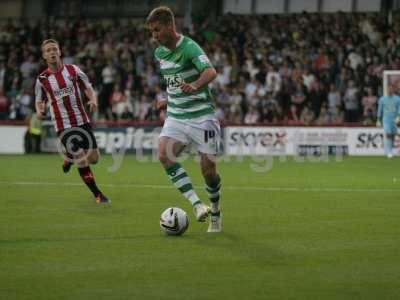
x=215, y=223
x=201, y=211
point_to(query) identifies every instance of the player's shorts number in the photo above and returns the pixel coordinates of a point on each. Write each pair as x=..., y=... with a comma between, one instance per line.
x=208, y=135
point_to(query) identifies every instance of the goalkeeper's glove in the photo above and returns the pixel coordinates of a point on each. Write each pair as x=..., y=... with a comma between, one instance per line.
x=378, y=123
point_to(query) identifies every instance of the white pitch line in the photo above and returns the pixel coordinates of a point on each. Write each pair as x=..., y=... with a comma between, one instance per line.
x=236, y=188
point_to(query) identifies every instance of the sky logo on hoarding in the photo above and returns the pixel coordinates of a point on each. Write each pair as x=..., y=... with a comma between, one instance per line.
x=264, y=139
x=370, y=140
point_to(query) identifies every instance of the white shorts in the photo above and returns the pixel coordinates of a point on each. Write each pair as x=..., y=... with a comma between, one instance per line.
x=204, y=136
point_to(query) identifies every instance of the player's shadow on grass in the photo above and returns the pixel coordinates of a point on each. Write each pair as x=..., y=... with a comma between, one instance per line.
x=252, y=251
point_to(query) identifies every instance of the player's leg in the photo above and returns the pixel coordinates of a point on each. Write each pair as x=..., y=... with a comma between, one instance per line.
x=213, y=186
x=87, y=177
x=169, y=150
x=68, y=162
x=390, y=131
x=81, y=144
x=389, y=143
x=66, y=137
x=206, y=136
x=93, y=156
x=89, y=144
x=171, y=143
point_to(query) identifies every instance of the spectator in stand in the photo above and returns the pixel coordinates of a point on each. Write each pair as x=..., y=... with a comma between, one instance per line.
x=220, y=114
x=252, y=116
x=298, y=96
x=224, y=94
x=308, y=79
x=117, y=105
x=25, y=105
x=68, y=58
x=350, y=100
x=307, y=115
x=4, y=104
x=251, y=89
x=253, y=99
x=223, y=77
x=273, y=80
x=369, y=102
x=274, y=86
x=328, y=48
x=236, y=98
x=339, y=118
x=341, y=80
x=125, y=108
x=261, y=90
x=33, y=135
x=322, y=61
x=144, y=108
x=235, y=111
x=316, y=97
x=355, y=59
x=334, y=101
x=293, y=115
x=285, y=71
x=369, y=117
x=269, y=109
x=135, y=101
x=235, y=115
x=13, y=96
x=2, y=73
x=28, y=67
x=324, y=118
x=92, y=47
x=152, y=79
x=108, y=75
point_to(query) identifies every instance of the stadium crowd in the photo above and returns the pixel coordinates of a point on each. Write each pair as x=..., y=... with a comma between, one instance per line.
x=311, y=69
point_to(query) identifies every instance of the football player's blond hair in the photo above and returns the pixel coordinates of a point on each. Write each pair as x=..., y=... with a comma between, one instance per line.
x=49, y=41
x=161, y=14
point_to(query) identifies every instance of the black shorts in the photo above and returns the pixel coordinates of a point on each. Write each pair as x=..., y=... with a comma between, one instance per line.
x=78, y=138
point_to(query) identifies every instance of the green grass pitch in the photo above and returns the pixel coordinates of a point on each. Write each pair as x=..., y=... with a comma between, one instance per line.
x=303, y=230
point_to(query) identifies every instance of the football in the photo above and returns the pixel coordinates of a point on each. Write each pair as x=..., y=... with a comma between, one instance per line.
x=174, y=221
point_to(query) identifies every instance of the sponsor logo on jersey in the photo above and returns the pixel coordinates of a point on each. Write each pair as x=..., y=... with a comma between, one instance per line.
x=165, y=64
x=204, y=59
x=173, y=81
x=67, y=91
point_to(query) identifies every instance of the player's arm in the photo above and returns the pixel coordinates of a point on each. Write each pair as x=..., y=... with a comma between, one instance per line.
x=379, y=115
x=203, y=65
x=397, y=120
x=92, y=96
x=40, y=99
x=208, y=75
x=89, y=91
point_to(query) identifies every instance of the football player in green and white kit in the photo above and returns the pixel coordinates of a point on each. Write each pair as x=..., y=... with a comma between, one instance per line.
x=191, y=119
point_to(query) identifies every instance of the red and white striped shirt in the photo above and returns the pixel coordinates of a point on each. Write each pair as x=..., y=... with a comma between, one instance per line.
x=64, y=90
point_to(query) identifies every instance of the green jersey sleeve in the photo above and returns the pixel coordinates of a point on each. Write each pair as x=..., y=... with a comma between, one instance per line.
x=198, y=57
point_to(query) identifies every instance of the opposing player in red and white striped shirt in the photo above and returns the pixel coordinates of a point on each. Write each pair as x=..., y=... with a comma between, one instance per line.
x=63, y=86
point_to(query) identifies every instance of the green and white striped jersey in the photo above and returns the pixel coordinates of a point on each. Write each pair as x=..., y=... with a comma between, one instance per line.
x=184, y=64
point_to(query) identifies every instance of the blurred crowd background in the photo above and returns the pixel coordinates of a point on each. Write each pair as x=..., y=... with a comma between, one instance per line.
x=304, y=69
